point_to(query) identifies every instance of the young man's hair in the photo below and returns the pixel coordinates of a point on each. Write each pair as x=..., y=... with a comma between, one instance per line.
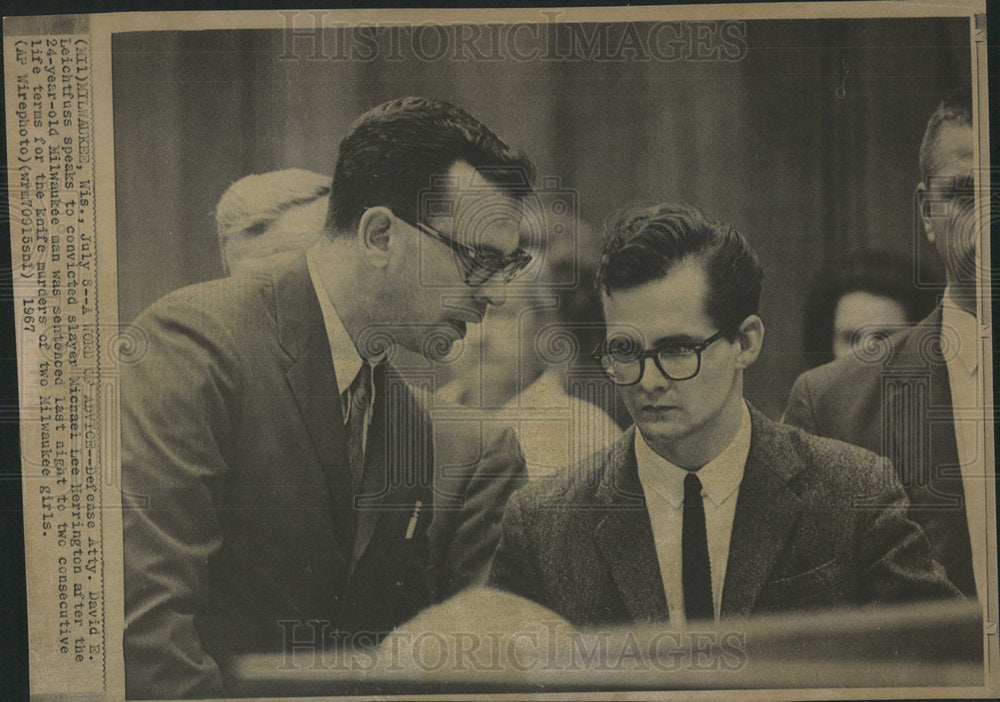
x=955, y=110
x=403, y=147
x=642, y=245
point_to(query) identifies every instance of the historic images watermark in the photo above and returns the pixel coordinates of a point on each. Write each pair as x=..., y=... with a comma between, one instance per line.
x=546, y=646
x=319, y=36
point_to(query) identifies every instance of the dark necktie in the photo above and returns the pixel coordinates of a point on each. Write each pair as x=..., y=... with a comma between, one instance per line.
x=696, y=571
x=360, y=394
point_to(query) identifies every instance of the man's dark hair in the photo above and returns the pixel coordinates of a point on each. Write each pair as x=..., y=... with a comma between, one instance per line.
x=643, y=245
x=883, y=273
x=955, y=110
x=398, y=149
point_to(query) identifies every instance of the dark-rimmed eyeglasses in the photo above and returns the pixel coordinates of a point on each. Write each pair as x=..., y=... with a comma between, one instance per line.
x=625, y=362
x=479, y=265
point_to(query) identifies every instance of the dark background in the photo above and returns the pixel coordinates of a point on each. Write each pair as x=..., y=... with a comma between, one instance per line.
x=765, y=142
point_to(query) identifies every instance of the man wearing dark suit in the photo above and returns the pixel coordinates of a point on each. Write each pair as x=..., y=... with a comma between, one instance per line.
x=277, y=478
x=916, y=397
x=705, y=509
x=269, y=218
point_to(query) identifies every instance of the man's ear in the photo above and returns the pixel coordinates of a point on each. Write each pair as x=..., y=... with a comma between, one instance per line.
x=374, y=233
x=751, y=339
x=923, y=207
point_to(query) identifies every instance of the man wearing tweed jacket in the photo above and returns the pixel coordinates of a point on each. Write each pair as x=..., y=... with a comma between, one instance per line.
x=705, y=509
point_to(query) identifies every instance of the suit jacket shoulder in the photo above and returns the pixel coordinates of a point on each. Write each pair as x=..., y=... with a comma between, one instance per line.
x=253, y=307
x=805, y=459
x=580, y=484
x=552, y=526
x=844, y=399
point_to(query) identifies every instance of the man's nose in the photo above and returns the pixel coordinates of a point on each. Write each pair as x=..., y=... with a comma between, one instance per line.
x=493, y=291
x=652, y=380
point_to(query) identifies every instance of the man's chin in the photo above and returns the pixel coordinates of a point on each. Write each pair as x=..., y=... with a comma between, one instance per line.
x=660, y=429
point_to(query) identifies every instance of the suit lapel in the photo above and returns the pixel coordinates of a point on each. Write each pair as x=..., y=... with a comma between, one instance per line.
x=766, y=512
x=624, y=536
x=302, y=334
x=918, y=400
x=935, y=452
x=920, y=423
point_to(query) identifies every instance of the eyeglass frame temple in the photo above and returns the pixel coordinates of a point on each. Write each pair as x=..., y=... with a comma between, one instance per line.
x=517, y=262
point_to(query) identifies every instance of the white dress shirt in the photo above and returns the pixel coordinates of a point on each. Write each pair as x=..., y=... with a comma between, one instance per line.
x=968, y=412
x=346, y=359
x=663, y=485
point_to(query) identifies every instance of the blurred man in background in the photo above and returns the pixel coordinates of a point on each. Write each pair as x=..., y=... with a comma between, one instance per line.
x=918, y=397
x=519, y=368
x=270, y=217
x=864, y=298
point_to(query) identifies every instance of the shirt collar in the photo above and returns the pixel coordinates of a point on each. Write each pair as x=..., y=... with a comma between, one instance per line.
x=720, y=477
x=346, y=359
x=966, y=328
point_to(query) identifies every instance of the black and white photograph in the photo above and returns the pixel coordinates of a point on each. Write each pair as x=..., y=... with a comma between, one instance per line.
x=548, y=352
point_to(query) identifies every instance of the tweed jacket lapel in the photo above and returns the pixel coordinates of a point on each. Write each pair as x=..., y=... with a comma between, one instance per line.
x=624, y=536
x=302, y=334
x=767, y=510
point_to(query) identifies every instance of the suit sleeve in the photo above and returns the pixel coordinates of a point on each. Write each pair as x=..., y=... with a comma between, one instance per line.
x=177, y=407
x=893, y=550
x=470, y=539
x=799, y=412
x=513, y=565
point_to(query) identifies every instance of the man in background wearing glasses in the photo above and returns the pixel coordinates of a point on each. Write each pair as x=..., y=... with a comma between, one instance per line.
x=918, y=397
x=276, y=469
x=705, y=509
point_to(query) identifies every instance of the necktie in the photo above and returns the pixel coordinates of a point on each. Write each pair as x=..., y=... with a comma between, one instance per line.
x=360, y=394
x=696, y=571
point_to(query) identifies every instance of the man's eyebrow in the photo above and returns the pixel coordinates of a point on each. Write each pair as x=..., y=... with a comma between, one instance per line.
x=661, y=341
x=676, y=339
